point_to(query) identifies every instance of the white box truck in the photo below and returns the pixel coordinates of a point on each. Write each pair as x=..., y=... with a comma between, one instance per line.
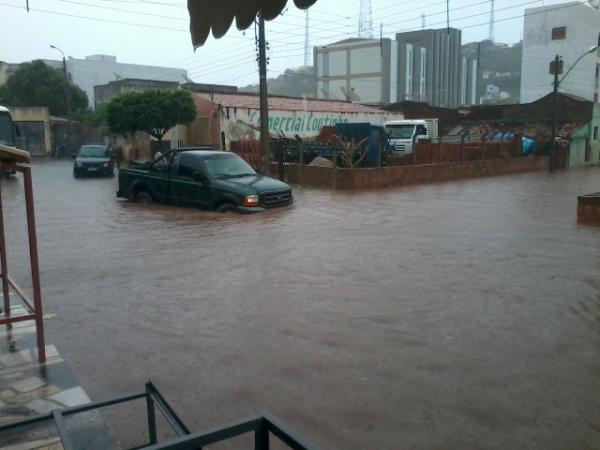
x=404, y=133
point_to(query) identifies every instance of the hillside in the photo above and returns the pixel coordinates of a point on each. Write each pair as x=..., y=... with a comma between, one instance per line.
x=293, y=82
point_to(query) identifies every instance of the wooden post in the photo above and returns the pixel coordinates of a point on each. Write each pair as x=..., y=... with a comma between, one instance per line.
x=301, y=161
x=334, y=158
x=5, y=285
x=35, y=268
x=440, y=150
x=482, y=147
x=462, y=147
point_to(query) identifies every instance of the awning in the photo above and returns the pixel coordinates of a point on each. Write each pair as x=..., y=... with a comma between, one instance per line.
x=218, y=15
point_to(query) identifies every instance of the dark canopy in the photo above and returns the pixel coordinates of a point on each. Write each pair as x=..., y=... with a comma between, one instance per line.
x=218, y=15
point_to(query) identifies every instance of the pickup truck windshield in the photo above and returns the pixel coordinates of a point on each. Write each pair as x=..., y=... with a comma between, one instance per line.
x=92, y=152
x=228, y=166
x=6, y=130
x=401, y=131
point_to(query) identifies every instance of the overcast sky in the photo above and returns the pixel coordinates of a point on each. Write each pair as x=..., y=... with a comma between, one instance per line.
x=156, y=32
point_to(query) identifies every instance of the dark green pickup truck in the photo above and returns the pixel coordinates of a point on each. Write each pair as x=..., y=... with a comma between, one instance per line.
x=203, y=178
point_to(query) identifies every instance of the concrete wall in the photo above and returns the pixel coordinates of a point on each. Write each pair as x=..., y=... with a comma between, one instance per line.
x=362, y=67
x=588, y=209
x=582, y=31
x=412, y=174
x=106, y=92
x=38, y=114
x=244, y=124
x=584, y=149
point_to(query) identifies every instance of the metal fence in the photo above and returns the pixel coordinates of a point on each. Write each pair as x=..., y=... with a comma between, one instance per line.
x=262, y=426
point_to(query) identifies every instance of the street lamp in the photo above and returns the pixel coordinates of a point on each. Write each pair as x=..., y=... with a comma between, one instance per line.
x=555, y=71
x=67, y=96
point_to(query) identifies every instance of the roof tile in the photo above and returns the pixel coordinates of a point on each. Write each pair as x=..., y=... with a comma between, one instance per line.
x=251, y=101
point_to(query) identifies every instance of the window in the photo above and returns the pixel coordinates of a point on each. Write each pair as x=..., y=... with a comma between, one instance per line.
x=188, y=164
x=595, y=133
x=228, y=166
x=559, y=33
x=409, y=72
x=423, y=78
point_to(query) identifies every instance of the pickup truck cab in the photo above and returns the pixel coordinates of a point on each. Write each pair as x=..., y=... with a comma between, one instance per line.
x=403, y=134
x=203, y=178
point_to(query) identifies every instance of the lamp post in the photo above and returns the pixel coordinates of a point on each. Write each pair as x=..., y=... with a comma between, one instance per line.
x=555, y=69
x=67, y=97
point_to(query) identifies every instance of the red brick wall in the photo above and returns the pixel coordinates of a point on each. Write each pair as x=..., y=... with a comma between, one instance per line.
x=249, y=150
x=431, y=153
x=588, y=209
x=408, y=174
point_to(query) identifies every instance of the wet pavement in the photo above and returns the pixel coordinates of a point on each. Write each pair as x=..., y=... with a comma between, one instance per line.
x=454, y=315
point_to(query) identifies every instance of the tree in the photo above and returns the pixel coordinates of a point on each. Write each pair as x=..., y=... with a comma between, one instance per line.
x=38, y=84
x=154, y=112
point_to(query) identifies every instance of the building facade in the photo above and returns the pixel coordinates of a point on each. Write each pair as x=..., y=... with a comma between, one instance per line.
x=95, y=70
x=103, y=93
x=567, y=30
x=223, y=118
x=423, y=66
x=430, y=66
x=34, y=129
x=360, y=70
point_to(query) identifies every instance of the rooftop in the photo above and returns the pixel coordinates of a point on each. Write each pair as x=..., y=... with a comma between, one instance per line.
x=281, y=103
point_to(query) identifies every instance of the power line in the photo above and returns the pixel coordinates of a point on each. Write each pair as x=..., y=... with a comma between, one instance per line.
x=110, y=8
x=98, y=19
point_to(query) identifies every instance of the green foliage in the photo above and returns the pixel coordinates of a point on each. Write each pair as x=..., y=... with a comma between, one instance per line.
x=154, y=112
x=95, y=117
x=38, y=84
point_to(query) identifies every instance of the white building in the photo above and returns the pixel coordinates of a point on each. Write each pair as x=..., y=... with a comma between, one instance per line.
x=567, y=30
x=359, y=70
x=422, y=66
x=95, y=70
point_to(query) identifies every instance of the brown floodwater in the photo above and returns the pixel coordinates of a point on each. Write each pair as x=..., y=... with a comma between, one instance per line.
x=457, y=315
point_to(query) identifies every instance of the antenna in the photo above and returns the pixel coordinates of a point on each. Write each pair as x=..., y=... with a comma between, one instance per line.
x=423, y=21
x=491, y=37
x=306, y=41
x=365, y=20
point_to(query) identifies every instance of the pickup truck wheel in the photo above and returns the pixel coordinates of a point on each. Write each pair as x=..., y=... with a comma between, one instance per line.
x=144, y=198
x=226, y=207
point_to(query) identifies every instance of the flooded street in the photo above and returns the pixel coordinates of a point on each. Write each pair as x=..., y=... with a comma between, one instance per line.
x=460, y=315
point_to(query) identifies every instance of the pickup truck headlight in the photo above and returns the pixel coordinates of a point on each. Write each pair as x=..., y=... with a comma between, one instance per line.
x=251, y=200
x=105, y=164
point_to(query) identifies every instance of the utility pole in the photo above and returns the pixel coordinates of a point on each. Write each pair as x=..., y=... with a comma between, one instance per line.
x=306, y=40
x=68, y=98
x=492, y=20
x=555, y=67
x=264, y=100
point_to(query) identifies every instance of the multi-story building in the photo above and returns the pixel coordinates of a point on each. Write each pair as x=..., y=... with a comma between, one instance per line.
x=358, y=70
x=436, y=76
x=567, y=30
x=100, y=69
x=424, y=66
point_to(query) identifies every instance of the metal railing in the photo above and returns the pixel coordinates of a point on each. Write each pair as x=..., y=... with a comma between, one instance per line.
x=262, y=426
x=34, y=308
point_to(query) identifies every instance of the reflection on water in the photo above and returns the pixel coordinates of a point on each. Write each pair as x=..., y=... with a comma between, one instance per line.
x=442, y=315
